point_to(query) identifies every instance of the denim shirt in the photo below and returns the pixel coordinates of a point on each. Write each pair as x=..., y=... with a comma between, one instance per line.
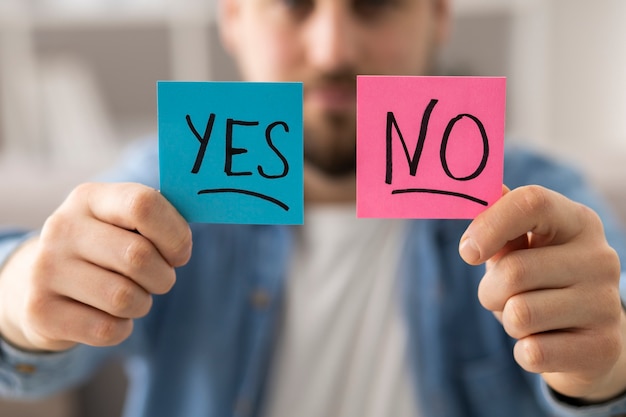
x=206, y=347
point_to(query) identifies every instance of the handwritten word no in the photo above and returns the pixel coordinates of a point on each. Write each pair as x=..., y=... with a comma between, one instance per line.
x=429, y=147
x=413, y=161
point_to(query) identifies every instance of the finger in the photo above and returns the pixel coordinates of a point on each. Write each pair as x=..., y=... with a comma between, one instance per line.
x=544, y=213
x=533, y=269
x=520, y=243
x=467, y=249
x=548, y=310
x=140, y=208
x=126, y=253
x=57, y=322
x=104, y=290
x=579, y=352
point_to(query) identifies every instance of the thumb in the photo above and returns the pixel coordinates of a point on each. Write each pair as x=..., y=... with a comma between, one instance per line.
x=470, y=255
x=519, y=243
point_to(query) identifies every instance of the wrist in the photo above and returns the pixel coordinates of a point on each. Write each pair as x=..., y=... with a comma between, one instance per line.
x=12, y=273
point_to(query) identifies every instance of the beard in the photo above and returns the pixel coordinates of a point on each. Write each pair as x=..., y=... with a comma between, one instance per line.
x=332, y=148
x=330, y=134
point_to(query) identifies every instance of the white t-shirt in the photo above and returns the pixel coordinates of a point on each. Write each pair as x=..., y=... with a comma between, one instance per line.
x=341, y=350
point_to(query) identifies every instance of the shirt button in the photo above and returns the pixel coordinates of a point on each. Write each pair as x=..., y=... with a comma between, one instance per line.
x=25, y=368
x=260, y=299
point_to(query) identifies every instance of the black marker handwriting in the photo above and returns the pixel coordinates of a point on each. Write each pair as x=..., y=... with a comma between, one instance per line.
x=441, y=192
x=245, y=192
x=231, y=151
x=413, y=160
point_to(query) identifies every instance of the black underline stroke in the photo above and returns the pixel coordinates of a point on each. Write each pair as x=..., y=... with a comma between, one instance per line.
x=442, y=192
x=246, y=192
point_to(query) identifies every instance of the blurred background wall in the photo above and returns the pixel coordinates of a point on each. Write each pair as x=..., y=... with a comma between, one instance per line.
x=77, y=83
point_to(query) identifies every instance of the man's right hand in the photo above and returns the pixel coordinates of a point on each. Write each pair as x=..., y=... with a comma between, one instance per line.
x=94, y=268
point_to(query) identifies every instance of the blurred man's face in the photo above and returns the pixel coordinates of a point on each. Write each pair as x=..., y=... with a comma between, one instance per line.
x=325, y=44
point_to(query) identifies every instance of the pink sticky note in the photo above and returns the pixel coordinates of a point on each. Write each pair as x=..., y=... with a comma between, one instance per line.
x=429, y=147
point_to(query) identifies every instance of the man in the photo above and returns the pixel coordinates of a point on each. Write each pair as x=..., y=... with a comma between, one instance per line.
x=340, y=317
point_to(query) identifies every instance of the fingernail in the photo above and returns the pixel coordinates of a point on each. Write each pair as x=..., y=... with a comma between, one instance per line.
x=469, y=251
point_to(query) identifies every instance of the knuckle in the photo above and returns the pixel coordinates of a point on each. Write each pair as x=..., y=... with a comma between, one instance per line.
x=61, y=221
x=611, y=345
x=58, y=224
x=54, y=225
x=513, y=271
x=609, y=308
x=489, y=297
x=80, y=193
x=145, y=308
x=517, y=317
x=122, y=299
x=609, y=260
x=141, y=203
x=484, y=296
x=613, y=261
x=182, y=248
x=590, y=215
x=109, y=331
x=81, y=190
x=165, y=283
x=129, y=301
x=529, y=355
x=535, y=199
x=137, y=254
x=36, y=309
x=44, y=266
x=38, y=325
x=593, y=225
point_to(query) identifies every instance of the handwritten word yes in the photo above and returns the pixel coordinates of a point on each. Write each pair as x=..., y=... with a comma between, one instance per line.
x=231, y=151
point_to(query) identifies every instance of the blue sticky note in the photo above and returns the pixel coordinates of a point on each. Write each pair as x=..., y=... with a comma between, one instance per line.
x=232, y=152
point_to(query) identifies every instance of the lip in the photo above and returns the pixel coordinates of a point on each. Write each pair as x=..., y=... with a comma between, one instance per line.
x=332, y=97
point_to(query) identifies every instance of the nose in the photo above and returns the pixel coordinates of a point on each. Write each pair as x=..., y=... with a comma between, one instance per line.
x=331, y=36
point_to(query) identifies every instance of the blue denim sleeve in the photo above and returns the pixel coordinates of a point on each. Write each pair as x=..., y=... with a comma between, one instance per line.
x=560, y=408
x=29, y=375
